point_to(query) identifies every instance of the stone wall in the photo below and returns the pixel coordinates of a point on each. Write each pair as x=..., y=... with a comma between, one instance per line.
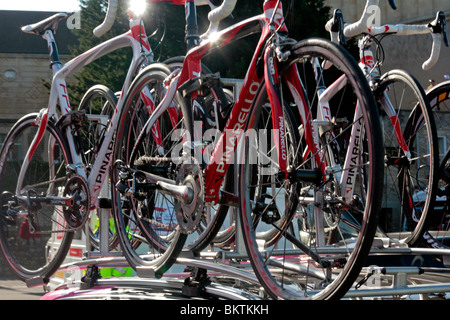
x=21, y=88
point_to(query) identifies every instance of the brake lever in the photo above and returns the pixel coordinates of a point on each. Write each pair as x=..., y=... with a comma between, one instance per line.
x=393, y=4
x=444, y=27
x=439, y=25
x=338, y=25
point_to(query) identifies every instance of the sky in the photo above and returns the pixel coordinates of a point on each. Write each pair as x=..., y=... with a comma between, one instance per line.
x=40, y=5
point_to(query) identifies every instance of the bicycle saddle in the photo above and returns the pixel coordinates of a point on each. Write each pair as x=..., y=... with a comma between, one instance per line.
x=50, y=23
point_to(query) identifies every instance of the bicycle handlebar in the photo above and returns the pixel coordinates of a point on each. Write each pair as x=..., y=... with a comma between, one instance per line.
x=109, y=19
x=218, y=12
x=361, y=26
x=437, y=28
x=439, y=34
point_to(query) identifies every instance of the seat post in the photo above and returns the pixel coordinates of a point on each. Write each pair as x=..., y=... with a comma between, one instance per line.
x=55, y=61
x=47, y=28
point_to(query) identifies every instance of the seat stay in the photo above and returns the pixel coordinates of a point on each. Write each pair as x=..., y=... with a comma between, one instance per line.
x=50, y=23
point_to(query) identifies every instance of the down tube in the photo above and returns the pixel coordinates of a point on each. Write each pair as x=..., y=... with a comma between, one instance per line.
x=352, y=157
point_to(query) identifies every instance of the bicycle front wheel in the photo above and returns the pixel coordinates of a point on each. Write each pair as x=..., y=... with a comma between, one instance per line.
x=34, y=236
x=320, y=251
x=411, y=156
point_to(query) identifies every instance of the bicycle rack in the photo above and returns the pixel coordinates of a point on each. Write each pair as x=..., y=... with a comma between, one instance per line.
x=375, y=281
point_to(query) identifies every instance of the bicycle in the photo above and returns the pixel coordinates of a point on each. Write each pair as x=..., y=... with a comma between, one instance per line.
x=411, y=150
x=51, y=177
x=180, y=180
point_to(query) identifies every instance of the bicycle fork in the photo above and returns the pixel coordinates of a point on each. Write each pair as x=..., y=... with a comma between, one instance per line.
x=372, y=72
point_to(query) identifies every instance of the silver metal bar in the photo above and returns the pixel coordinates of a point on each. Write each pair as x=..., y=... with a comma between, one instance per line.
x=402, y=290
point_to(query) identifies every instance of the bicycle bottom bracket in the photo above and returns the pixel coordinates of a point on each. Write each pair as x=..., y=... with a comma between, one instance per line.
x=76, y=211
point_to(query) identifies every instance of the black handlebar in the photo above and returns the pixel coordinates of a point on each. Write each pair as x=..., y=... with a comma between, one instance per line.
x=393, y=4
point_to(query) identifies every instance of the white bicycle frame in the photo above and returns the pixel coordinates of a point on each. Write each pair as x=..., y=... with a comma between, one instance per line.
x=142, y=56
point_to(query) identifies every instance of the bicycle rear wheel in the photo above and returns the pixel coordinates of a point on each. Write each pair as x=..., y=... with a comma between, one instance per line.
x=320, y=252
x=410, y=182
x=34, y=237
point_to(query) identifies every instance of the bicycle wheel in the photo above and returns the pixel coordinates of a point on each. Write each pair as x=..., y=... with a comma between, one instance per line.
x=34, y=237
x=99, y=103
x=320, y=252
x=146, y=221
x=409, y=189
x=438, y=219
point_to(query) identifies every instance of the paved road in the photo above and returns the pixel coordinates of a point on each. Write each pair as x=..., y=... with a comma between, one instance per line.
x=12, y=289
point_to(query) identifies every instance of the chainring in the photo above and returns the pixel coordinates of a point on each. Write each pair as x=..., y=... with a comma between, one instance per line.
x=190, y=215
x=77, y=212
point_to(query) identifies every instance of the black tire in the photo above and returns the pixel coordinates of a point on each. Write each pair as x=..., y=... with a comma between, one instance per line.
x=406, y=179
x=34, y=253
x=283, y=270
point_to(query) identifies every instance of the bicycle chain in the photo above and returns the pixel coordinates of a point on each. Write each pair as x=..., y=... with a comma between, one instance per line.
x=158, y=224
